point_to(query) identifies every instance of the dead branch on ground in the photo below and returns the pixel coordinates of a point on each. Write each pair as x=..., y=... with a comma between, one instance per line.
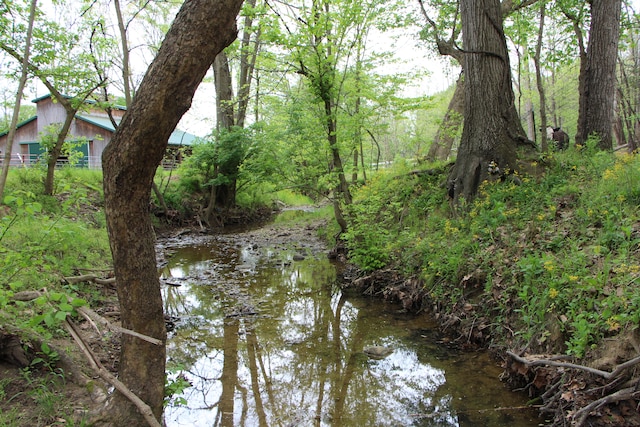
x=144, y=409
x=90, y=278
x=91, y=316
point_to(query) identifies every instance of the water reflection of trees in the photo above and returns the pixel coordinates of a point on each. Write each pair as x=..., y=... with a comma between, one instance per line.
x=299, y=361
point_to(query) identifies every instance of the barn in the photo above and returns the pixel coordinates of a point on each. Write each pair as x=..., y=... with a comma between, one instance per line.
x=91, y=126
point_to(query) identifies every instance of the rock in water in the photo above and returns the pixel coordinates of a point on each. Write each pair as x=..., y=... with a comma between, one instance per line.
x=377, y=352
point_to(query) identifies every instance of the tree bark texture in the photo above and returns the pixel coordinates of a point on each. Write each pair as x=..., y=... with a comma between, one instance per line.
x=448, y=130
x=597, y=95
x=201, y=29
x=492, y=128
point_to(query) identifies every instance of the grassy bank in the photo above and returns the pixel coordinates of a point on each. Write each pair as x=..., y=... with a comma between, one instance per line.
x=43, y=241
x=549, y=266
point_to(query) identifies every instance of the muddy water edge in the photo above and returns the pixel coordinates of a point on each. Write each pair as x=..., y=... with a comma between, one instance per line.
x=266, y=337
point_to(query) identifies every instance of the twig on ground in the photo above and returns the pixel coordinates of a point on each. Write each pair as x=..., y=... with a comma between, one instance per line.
x=144, y=409
x=90, y=314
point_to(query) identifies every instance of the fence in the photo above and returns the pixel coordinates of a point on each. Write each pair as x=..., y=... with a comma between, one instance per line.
x=90, y=162
x=31, y=160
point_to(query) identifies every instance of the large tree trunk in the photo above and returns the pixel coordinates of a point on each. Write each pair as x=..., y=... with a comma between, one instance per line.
x=199, y=32
x=599, y=74
x=446, y=135
x=492, y=129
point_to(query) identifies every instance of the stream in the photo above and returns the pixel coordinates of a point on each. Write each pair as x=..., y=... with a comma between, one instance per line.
x=265, y=337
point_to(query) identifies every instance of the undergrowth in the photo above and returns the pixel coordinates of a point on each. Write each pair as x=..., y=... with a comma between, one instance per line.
x=551, y=263
x=44, y=239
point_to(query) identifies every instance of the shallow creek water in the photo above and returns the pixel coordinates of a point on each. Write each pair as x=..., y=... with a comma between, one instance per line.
x=266, y=338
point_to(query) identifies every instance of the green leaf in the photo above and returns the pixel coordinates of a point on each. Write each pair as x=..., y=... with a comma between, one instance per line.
x=78, y=302
x=56, y=296
x=36, y=320
x=66, y=307
x=49, y=320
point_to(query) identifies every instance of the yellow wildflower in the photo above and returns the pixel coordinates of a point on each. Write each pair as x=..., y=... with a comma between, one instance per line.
x=548, y=265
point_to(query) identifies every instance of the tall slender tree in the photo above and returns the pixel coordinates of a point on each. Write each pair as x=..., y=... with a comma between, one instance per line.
x=16, y=110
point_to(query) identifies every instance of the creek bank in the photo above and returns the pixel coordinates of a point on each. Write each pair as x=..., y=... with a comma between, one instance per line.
x=566, y=390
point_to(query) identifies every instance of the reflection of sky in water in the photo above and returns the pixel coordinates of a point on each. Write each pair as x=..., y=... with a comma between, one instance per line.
x=300, y=360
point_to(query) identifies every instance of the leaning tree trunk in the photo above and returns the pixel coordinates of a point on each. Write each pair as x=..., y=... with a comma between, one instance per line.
x=492, y=129
x=201, y=29
x=597, y=96
x=544, y=144
x=446, y=135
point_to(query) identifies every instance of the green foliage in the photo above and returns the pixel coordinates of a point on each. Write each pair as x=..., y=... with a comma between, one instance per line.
x=49, y=138
x=560, y=248
x=175, y=383
x=42, y=240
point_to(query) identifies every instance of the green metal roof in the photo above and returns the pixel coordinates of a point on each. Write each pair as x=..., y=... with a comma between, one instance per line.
x=19, y=125
x=177, y=137
x=87, y=101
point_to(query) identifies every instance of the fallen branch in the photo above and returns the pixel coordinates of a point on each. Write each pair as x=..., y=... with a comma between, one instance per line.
x=603, y=374
x=92, y=317
x=144, y=409
x=502, y=408
x=90, y=278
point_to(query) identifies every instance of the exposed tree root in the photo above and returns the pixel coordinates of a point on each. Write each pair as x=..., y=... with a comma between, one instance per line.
x=567, y=397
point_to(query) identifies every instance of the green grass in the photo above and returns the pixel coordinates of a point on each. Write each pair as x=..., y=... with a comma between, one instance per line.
x=46, y=238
